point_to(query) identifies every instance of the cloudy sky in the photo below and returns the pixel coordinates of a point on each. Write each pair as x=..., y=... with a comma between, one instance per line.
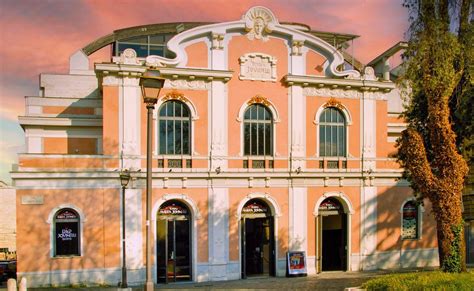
x=38, y=36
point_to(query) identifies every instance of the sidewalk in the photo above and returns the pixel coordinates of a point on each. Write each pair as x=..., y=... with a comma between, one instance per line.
x=323, y=281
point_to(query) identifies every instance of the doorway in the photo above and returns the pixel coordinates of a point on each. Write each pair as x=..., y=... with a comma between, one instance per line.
x=332, y=234
x=173, y=243
x=257, y=240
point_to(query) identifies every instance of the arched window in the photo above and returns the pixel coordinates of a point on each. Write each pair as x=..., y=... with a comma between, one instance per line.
x=67, y=233
x=258, y=131
x=410, y=220
x=174, y=123
x=332, y=133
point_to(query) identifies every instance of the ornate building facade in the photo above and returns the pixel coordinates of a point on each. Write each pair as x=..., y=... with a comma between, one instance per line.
x=267, y=138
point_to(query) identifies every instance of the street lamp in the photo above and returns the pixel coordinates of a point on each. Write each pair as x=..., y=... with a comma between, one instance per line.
x=124, y=179
x=151, y=84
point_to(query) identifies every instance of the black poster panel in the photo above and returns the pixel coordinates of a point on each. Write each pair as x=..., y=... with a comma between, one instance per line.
x=67, y=238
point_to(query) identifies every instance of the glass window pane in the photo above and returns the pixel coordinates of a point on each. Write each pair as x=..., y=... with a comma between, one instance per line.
x=253, y=112
x=260, y=147
x=261, y=112
x=253, y=138
x=247, y=113
x=333, y=140
x=268, y=114
x=246, y=138
x=177, y=137
x=162, y=137
x=341, y=143
x=157, y=39
x=186, y=138
x=141, y=49
x=322, y=140
x=170, y=138
x=169, y=108
x=163, y=109
x=185, y=111
x=268, y=139
x=157, y=50
x=323, y=116
x=327, y=149
x=177, y=109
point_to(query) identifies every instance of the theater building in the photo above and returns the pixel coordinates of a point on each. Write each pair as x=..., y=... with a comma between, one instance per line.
x=268, y=137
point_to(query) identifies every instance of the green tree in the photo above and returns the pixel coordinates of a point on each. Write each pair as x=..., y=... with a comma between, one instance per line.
x=438, y=81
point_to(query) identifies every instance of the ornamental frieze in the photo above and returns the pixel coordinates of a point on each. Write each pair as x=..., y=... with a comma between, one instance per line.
x=187, y=84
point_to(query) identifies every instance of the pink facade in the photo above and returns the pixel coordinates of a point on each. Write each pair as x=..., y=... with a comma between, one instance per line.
x=265, y=140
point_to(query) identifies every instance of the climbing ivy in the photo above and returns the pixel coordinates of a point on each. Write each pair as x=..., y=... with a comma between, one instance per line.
x=436, y=71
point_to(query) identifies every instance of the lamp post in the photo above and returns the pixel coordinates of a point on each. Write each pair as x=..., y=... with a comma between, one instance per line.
x=124, y=179
x=151, y=84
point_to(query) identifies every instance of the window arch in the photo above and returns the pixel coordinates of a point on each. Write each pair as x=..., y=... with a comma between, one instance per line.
x=332, y=133
x=410, y=220
x=174, y=126
x=67, y=233
x=258, y=131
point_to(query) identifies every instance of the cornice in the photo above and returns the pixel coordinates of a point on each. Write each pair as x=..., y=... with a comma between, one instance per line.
x=132, y=70
x=58, y=101
x=59, y=121
x=192, y=74
x=333, y=83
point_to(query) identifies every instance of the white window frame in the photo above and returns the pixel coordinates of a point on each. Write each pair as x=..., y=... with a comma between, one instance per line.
x=52, y=222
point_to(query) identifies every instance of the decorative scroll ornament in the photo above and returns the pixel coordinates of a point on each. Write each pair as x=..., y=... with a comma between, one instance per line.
x=259, y=99
x=259, y=22
x=333, y=102
x=174, y=95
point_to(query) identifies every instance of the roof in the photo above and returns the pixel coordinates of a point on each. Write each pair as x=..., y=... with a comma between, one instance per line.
x=333, y=38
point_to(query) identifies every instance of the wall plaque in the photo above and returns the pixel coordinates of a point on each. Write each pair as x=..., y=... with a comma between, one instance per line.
x=34, y=200
x=258, y=67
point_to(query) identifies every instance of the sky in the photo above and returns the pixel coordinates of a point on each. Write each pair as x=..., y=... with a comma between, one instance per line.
x=39, y=36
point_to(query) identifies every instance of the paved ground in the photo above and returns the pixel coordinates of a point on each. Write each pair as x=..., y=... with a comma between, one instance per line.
x=325, y=281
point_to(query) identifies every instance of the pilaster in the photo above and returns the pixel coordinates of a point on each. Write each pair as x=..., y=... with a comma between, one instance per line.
x=218, y=233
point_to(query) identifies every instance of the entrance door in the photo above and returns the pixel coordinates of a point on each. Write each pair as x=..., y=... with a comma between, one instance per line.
x=332, y=236
x=257, y=243
x=173, y=246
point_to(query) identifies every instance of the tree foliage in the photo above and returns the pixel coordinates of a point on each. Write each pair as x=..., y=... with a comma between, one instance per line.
x=438, y=80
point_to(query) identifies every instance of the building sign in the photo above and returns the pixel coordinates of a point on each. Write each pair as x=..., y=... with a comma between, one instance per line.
x=410, y=220
x=173, y=209
x=330, y=204
x=32, y=200
x=255, y=207
x=66, y=214
x=258, y=67
x=296, y=263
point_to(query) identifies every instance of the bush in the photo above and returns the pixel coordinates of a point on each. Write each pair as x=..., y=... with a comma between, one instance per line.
x=422, y=281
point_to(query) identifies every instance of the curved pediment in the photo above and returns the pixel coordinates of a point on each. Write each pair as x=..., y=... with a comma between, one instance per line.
x=257, y=24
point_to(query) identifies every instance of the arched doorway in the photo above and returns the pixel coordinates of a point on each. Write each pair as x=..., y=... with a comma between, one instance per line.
x=174, y=258
x=257, y=239
x=332, y=240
